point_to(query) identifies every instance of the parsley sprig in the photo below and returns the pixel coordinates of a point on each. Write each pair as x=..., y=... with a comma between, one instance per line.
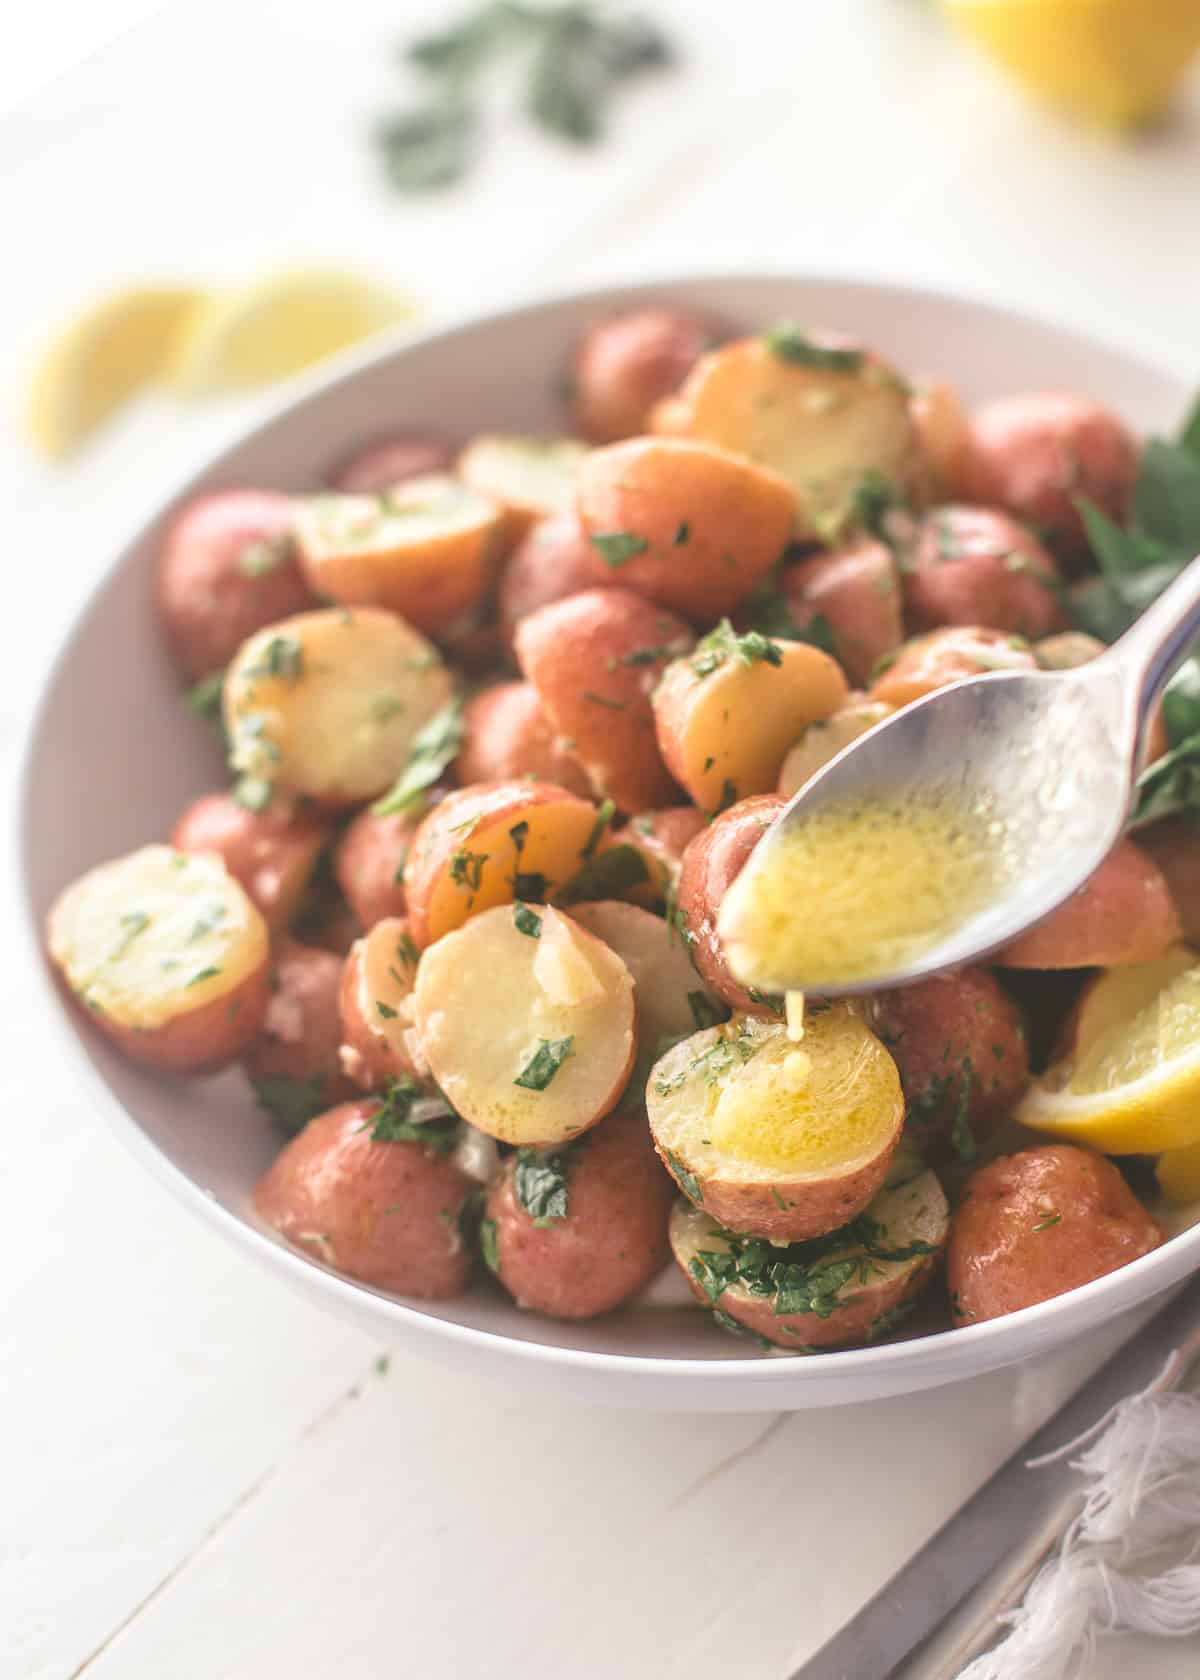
x=434, y=748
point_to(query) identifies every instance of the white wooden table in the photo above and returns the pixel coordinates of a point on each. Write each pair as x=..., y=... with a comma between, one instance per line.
x=200, y=1476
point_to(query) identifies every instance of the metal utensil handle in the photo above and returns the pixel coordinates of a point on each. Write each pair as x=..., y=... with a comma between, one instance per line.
x=1151, y=649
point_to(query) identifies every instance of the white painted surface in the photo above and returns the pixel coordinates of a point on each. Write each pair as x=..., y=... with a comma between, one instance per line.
x=199, y=1475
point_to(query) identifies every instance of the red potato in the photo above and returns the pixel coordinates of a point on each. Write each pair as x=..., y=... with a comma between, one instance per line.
x=329, y=704
x=942, y=657
x=711, y=863
x=726, y=716
x=857, y=592
x=168, y=954
x=228, y=567
x=1173, y=845
x=507, y=735
x=772, y=1138
x=608, y=1243
x=373, y=1010
x=427, y=549
x=368, y=863
x=386, y=1213
x=482, y=844
x=623, y=366
x=1037, y=1224
x=857, y=1289
x=822, y=741
x=943, y=430
x=685, y=524
x=970, y=565
x=660, y=838
x=1035, y=454
x=273, y=853
x=554, y=560
x=959, y=1044
x=526, y=1021
x=1123, y=914
x=392, y=460
x=302, y=1029
x=594, y=660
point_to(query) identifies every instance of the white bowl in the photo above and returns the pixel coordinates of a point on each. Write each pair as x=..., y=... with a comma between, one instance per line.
x=112, y=740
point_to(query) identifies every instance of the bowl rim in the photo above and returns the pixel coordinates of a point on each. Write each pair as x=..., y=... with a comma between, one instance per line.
x=961, y=1351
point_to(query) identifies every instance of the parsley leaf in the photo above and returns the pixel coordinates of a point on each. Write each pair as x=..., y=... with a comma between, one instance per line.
x=488, y=1245
x=204, y=697
x=540, y=1183
x=545, y=1062
x=392, y=1121
x=526, y=922
x=789, y=344
x=617, y=548
x=686, y=1180
x=606, y=875
x=434, y=747
x=724, y=644
x=292, y=1103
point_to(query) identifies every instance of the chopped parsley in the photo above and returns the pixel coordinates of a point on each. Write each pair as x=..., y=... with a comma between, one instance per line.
x=545, y=1062
x=264, y=555
x=488, y=1245
x=406, y=950
x=466, y=869
x=686, y=1180
x=604, y=700
x=604, y=817
x=252, y=793
x=1047, y=1221
x=873, y=498
x=204, y=697
x=729, y=1050
x=209, y=973
x=206, y=923
x=646, y=655
x=392, y=1121
x=291, y=1102
x=682, y=532
x=605, y=875
x=132, y=923
x=724, y=644
x=618, y=548
x=962, y=1138
x=385, y=1009
x=434, y=747
x=789, y=344
x=526, y=922
x=887, y=1321
x=729, y=794
x=540, y=1183
x=283, y=657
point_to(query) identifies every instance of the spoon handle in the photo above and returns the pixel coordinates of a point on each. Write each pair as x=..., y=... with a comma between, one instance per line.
x=1151, y=649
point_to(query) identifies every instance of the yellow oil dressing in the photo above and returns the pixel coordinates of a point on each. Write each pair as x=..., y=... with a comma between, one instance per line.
x=861, y=890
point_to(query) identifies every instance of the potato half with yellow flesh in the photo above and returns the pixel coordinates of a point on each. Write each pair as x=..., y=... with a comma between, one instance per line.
x=527, y=1023
x=852, y=1285
x=168, y=953
x=821, y=742
x=823, y=417
x=778, y=1139
x=328, y=703
x=669, y=995
x=426, y=549
x=529, y=477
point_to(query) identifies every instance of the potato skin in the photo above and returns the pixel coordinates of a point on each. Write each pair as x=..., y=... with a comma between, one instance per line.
x=660, y=838
x=941, y=657
x=205, y=1040
x=302, y=1029
x=971, y=565
x=943, y=431
x=372, y=1051
x=712, y=523
x=624, y=365
x=594, y=660
x=507, y=735
x=1037, y=1224
x=385, y=1213
x=612, y=1241
x=368, y=863
x=1034, y=454
x=272, y=853
x=711, y=863
x=1123, y=914
x=377, y=466
x=1174, y=846
x=946, y=1033
x=227, y=568
x=553, y=560
x=856, y=590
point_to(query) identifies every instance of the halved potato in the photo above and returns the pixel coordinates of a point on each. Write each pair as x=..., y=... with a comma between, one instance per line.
x=328, y=703
x=529, y=477
x=688, y=525
x=944, y=433
x=272, y=853
x=823, y=740
x=507, y=735
x=301, y=1031
x=1122, y=914
x=778, y=1139
x=489, y=844
x=527, y=1023
x=856, y=591
x=368, y=863
x=820, y=413
x=425, y=549
x=594, y=660
x=376, y=1016
x=726, y=715
x=625, y=365
x=167, y=952
x=712, y=862
x=553, y=560
x=933, y=661
x=669, y=997
x=849, y=1286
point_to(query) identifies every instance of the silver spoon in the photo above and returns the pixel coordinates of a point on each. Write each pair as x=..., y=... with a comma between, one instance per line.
x=1052, y=755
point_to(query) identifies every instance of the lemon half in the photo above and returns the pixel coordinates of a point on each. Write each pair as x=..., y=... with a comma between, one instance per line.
x=1131, y=1084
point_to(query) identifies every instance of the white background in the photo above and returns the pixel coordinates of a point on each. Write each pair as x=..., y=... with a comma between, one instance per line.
x=200, y=1477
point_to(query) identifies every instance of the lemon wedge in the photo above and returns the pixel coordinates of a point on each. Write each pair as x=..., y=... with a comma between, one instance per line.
x=1116, y=61
x=1178, y=1173
x=278, y=325
x=1131, y=1084
x=98, y=362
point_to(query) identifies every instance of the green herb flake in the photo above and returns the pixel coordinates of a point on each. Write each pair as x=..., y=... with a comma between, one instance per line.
x=686, y=1180
x=292, y=1103
x=392, y=1121
x=384, y=707
x=201, y=975
x=962, y=1138
x=132, y=924
x=683, y=532
x=385, y=1010
x=466, y=869
x=434, y=748
x=790, y=344
x=617, y=548
x=544, y=1063
x=252, y=793
x=540, y=1183
x=609, y=873
x=282, y=657
x=1047, y=1221
x=604, y=816
x=526, y=922
x=204, y=697
x=489, y=1246
x=723, y=644
x=603, y=700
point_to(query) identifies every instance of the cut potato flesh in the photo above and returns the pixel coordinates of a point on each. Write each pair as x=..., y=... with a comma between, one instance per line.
x=532, y=477
x=328, y=703
x=425, y=549
x=156, y=935
x=527, y=1056
x=774, y=1137
x=669, y=996
x=725, y=735
x=823, y=740
x=821, y=428
x=849, y=1286
x=376, y=1009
